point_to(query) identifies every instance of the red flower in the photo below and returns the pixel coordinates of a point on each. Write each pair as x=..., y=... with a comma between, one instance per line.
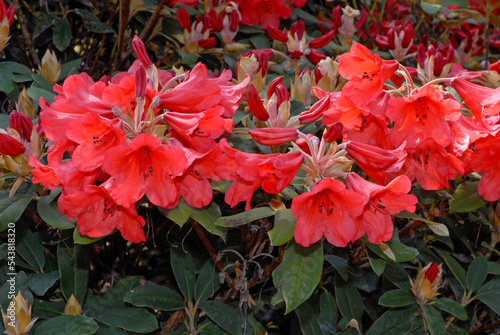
x=327, y=210
x=144, y=166
x=380, y=203
x=424, y=115
x=367, y=74
x=486, y=159
x=22, y=124
x=265, y=12
x=98, y=214
x=95, y=136
x=10, y=146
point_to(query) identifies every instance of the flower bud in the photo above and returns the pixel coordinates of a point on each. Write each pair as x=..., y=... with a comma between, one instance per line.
x=25, y=104
x=333, y=132
x=140, y=83
x=72, y=307
x=51, y=68
x=10, y=146
x=140, y=50
x=255, y=104
x=18, y=320
x=273, y=136
x=426, y=285
x=22, y=124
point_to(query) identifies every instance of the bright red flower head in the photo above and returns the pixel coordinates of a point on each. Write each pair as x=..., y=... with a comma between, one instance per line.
x=265, y=12
x=327, y=210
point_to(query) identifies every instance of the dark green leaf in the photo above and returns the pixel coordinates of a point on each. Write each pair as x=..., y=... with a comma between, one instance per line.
x=15, y=67
x=452, y=307
x=308, y=319
x=455, y=267
x=41, y=82
x=429, y=8
x=41, y=282
x=49, y=212
x=93, y=23
x=397, y=275
x=397, y=298
x=394, y=322
x=67, y=324
x=477, y=273
x=434, y=320
x=284, y=225
x=20, y=284
x=179, y=214
x=493, y=268
x=489, y=293
x=348, y=299
x=132, y=319
x=4, y=250
x=183, y=267
x=62, y=34
x=229, y=318
x=245, y=217
x=104, y=330
x=207, y=217
x=67, y=68
x=45, y=309
x=11, y=208
x=7, y=84
x=155, y=296
x=340, y=264
x=260, y=41
x=466, y=198
x=206, y=285
x=31, y=250
x=36, y=93
x=329, y=314
x=73, y=264
x=377, y=264
x=402, y=253
x=302, y=268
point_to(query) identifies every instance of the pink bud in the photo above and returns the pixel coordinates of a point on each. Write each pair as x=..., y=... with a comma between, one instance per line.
x=22, y=124
x=255, y=104
x=315, y=56
x=140, y=83
x=277, y=34
x=140, y=50
x=322, y=41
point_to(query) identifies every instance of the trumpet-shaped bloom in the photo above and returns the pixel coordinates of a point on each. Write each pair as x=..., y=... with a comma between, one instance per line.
x=327, y=210
x=144, y=166
x=486, y=159
x=380, y=203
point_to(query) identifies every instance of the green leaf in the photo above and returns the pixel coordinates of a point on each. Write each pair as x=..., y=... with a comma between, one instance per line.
x=183, y=267
x=329, y=313
x=377, y=264
x=49, y=212
x=434, y=320
x=78, y=238
x=206, y=285
x=46, y=309
x=455, y=267
x=397, y=298
x=308, y=319
x=155, y=296
x=245, y=217
x=397, y=275
x=430, y=9
x=67, y=68
x=73, y=265
x=284, y=225
x=402, y=253
x=41, y=282
x=15, y=67
x=4, y=250
x=132, y=319
x=340, y=264
x=466, y=198
x=438, y=228
x=477, y=273
x=36, y=93
x=31, y=250
x=20, y=284
x=489, y=293
x=41, y=82
x=67, y=324
x=348, y=299
x=7, y=84
x=260, y=41
x=452, y=307
x=207, y=217
x=93, y=23
x=11, y=208
x=394, y=322
x=302, y=269
x=179, y=214
x=228, y=318
x=493, y=268
x=61, y=36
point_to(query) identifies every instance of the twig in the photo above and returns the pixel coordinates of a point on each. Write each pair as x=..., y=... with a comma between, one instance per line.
x=267, y=271
x=124, y=8
x=25, y=32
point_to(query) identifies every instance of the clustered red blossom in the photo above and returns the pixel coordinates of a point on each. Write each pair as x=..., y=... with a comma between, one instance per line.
x=158, y=135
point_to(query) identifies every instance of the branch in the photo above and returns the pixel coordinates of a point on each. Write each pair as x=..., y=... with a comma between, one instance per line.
x=25, y=32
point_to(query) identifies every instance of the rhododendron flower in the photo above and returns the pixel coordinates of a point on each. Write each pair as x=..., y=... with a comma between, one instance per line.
x=366, y=73
x=327, y=210
x=98, y=214
x=423, y=115
x=273, y=136
x=265, y=12
x=144, y=166
x=426, y=285
x=431, y=165
x=380, y=203
x=95, y=136
x=486, y=159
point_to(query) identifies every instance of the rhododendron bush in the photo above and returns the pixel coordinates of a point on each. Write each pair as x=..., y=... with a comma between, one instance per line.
x=250, y=167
